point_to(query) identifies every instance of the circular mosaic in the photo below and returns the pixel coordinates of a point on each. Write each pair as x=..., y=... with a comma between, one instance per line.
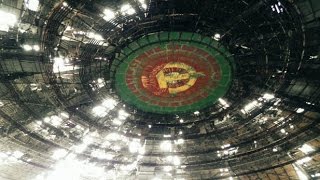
x=172, y=72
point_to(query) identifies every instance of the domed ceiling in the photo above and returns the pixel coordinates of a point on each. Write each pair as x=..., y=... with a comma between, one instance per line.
x=159, y=89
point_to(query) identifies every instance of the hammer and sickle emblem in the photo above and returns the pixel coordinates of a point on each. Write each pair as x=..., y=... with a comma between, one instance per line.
x=170, y=79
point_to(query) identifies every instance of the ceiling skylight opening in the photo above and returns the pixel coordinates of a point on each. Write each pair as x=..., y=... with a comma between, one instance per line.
x=142, y=151
x=39, y=123
x=56, y=121
x=17, y=154
x=268, y=96
x=32, y=5
x=27, y=47
x=100, y=154
x=304, y=160
x=109, y=156
x=115, y=137
x=116, y=148
x=300, y=110
x=129, y=167
x=99, y=111
x=167, y=168
x=169, y=158
x=309, y=103
x=306, y=149
x=176, y=161
x=301, y=174
x=224, y=170
x=36, y=47
x=278, y=7
x=217, y=36
x=109, y=103
x=67, y=169
x=244, y=47
x=277, y=102
x=127, y=9
x=143, y=4
x=58, y=154
x=105, y=144
x=46, y=119
x=279, y=120
x=65, y=115
x=79, y=33
x=40, y=177
x=250, y=107
x=35, y=87
x=100, y=82
x=224, y=103
x=225, y=146
x=134, y=146
x=315, y=175
x=61, y=64
x=87, y=140
x=314, y=57
x=219, y=153
x=7, y=22
x=92, y=170
x=95, y=36
x=4, y=155
x=179, y=141
x=117, y=122
x=108, y=15
x=166, y=146
x=181, y=120
x=233, y=150
x=122, y=114
x=79, y=148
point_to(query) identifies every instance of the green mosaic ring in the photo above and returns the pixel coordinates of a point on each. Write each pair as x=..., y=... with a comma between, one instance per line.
x=172, y=72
